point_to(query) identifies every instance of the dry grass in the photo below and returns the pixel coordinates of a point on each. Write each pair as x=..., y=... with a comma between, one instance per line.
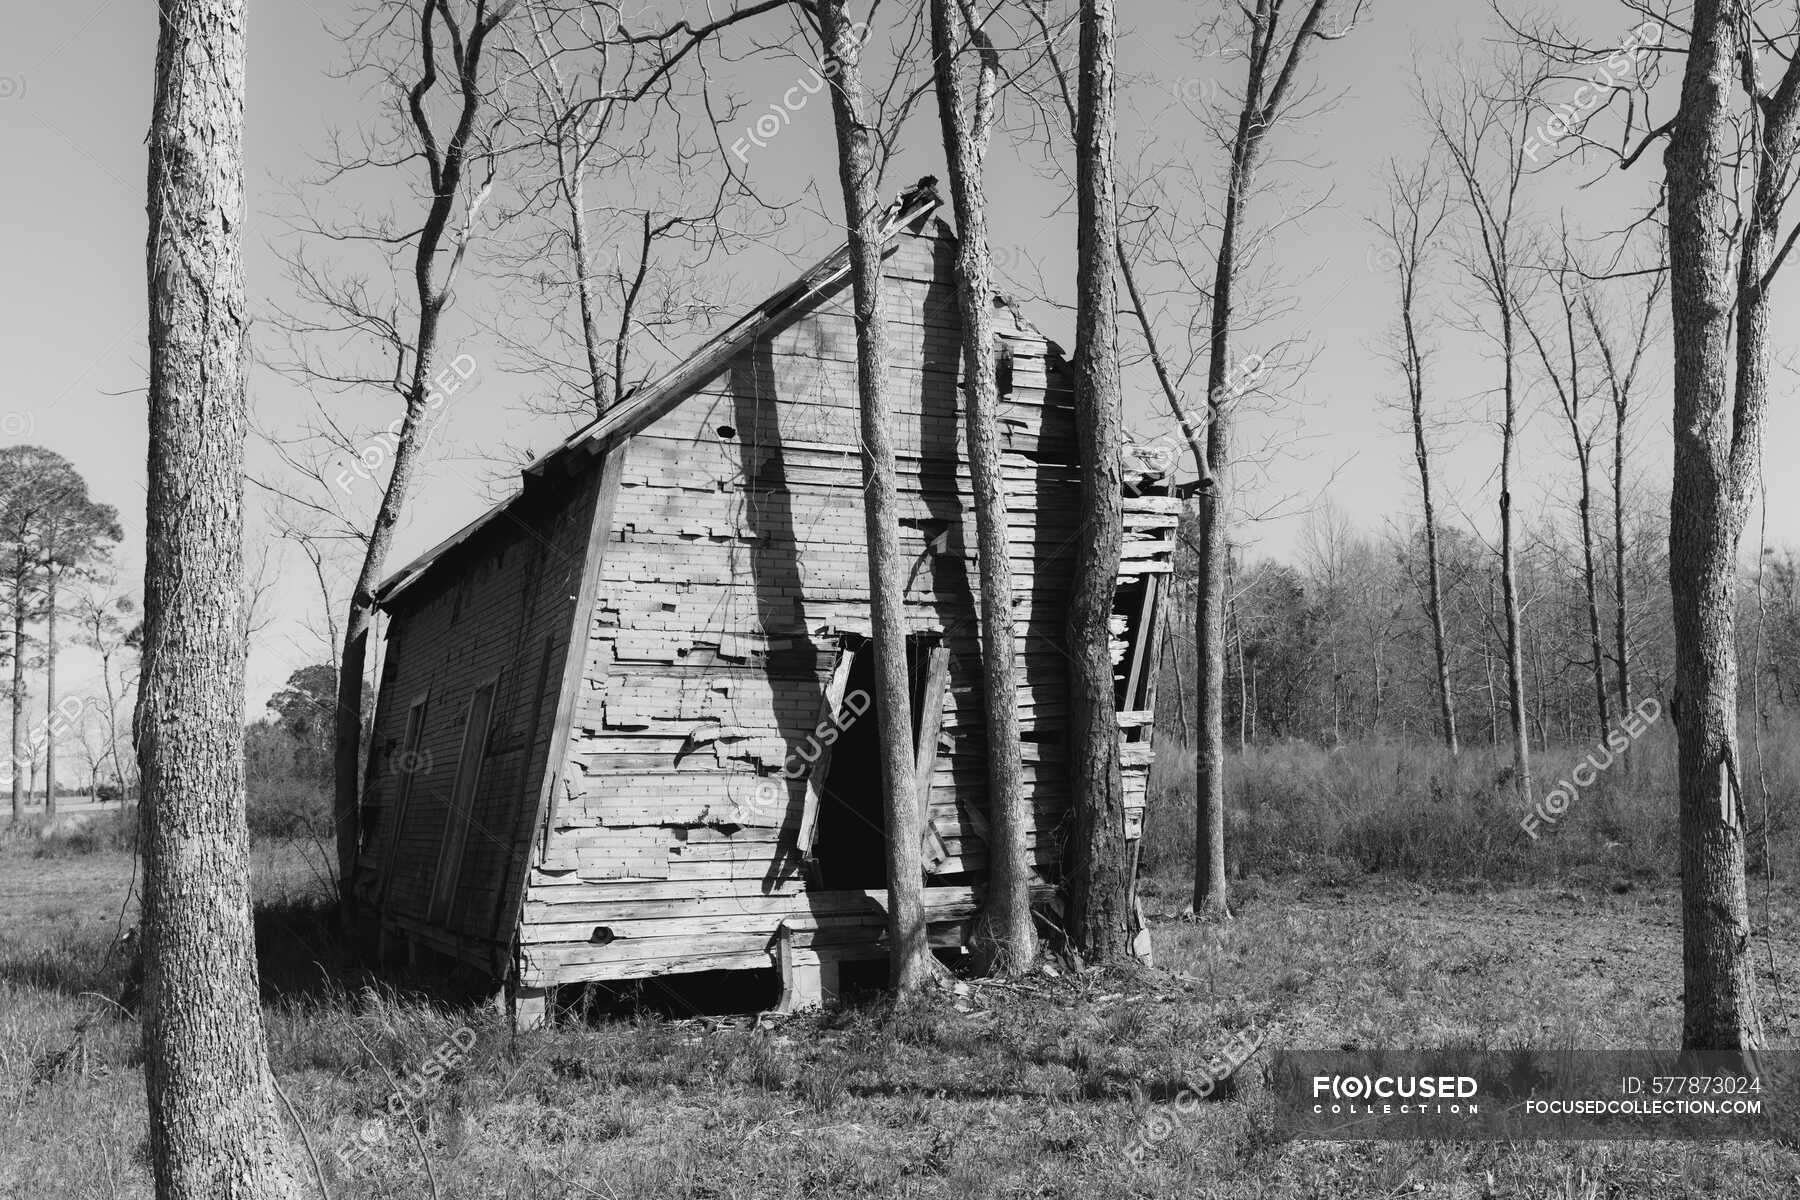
x=1414, y=811
x=1027, y=1091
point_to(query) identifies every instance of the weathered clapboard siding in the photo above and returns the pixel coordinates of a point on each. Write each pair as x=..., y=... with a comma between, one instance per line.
x=503, y=614
x=733, y=564
x=664, y=618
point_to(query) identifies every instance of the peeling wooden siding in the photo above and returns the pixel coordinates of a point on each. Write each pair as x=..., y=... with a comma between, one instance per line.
x=733, y=562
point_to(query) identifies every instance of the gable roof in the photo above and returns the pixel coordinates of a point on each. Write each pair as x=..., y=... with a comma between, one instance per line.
x=645, y=406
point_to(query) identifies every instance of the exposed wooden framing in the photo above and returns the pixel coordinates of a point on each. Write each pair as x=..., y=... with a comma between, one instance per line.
x=1137, y=727
x=931, y=722
x=829, y=710
x=1143, y=644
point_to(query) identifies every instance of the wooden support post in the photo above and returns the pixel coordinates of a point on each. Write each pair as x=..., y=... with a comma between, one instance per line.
x=1143, y=644
x=530, y=1007
x=802, y=974
x=1164, y=600
x=829, y=710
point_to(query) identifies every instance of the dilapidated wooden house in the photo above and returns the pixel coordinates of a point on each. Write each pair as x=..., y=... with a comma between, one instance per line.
x=622, y=726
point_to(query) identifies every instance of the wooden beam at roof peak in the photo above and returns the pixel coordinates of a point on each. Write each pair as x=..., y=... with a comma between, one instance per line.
x=650, y=403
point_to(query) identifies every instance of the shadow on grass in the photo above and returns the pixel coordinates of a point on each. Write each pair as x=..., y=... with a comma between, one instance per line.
x=70, y=962
x=304, y=956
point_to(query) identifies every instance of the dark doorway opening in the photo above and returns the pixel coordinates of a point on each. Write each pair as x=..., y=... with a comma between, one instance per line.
x=852, y=839
x=851, y=846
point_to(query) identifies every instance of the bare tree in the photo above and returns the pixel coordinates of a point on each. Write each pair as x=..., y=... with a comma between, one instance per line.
x=1568, y=379
x=107, y=625
x=1417, y=207
x=621, y=202
x=1327, y=544
x=1622, y=366
x=213, y=1130
x=1274, y=48
x=433, y=59
x=909, y=954
x=576, y=133
x=1729, y=154
x=1008, y=941
x=1170, y=378
x=1721, y=401
x=1483, y=136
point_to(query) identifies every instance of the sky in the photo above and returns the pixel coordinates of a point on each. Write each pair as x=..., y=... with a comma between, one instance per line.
x=75, y=92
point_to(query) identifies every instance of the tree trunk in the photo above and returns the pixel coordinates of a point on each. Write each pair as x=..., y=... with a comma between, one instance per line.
x=18, y=703
x=601, y=393
x=1434, y=588
x=213, y=1130
x=1210, y=894
x=1509, y=569
x=909, y=956
x=1243, y=739
x=1621, y=609
x=1591, y=592
x=1717, y=448
x=1582, y=443
x=1007, y=942
x=1337, y=731
x=1621, y=600
x=1253, y=703
x=1374, y=726
x=1099, y=868
x=571, y=178
x=1621, y=383
x=1493, y=691
x=50, y=714
x=359, y=623
x=1264, y=98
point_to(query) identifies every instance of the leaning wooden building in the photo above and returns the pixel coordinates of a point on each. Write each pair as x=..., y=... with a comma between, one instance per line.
x=617, y=728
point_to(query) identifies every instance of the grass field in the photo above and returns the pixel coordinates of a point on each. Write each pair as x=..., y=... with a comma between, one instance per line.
x=977, y=1090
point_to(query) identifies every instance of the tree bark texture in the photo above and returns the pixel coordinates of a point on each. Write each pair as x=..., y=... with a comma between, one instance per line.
x=1099, y=868
x=909, y=955
x=1007, y=939
x=213, y=1129
x=51, y=717
x=1717, y=446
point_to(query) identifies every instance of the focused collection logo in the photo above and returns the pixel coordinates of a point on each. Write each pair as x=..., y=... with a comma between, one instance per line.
x=1405, y=1095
